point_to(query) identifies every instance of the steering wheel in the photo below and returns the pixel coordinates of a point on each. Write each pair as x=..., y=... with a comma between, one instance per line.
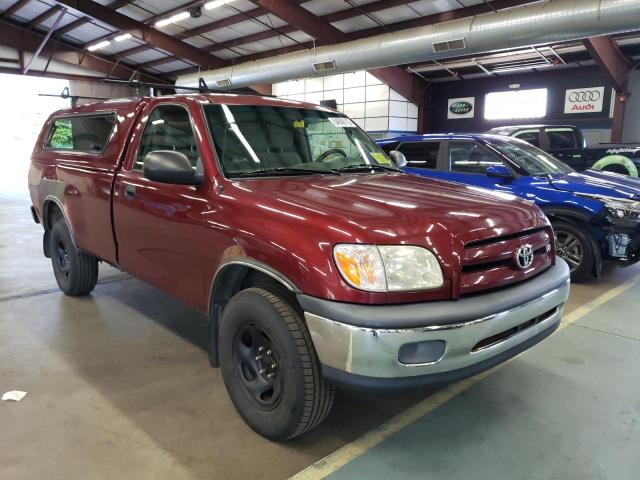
x=331, y=151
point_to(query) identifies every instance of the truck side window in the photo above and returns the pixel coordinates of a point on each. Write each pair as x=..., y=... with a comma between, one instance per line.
x=82, y=133
x=529, y=136
x=470, y=157
x=421, y=154
x=168, y=128
x=560, y=138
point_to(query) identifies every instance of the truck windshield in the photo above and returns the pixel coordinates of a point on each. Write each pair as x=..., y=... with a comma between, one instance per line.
x=528, y=158
x=264, y=140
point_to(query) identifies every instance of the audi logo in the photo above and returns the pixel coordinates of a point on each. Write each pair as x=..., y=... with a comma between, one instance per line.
x=585, y=96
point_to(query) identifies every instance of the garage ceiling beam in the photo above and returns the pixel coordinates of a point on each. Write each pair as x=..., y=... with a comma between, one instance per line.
x=22, y=39
x=144, y=32
x=392, y=27
x=372, y=8
x=607, y=55
x=15, y=7
x=76, y=23
x=224, y=22
x=149, y=21
x=44, y=42
x=408, y=85
x=71, y=26
x=44, y=16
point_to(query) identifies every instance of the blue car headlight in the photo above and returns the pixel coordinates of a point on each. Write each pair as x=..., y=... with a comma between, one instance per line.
x=618, y=208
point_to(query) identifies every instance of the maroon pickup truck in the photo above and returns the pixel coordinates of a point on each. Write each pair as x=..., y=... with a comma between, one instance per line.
x=316, y=260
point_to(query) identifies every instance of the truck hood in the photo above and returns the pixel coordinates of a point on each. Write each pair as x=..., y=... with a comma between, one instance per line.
x=592, y=182
x=397, y=208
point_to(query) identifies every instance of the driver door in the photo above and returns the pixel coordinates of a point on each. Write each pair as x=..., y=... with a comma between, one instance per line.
x=159, y=227
x=468, y=162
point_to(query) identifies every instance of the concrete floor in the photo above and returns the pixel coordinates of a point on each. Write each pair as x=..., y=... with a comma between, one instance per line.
x=119, y=387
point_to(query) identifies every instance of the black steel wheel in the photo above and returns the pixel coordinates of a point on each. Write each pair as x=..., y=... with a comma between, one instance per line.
x=256, y=362
x=269, y=365
x=574, y=247
x=76, y=272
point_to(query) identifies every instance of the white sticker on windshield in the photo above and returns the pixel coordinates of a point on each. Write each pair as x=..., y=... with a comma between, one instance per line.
x=342, y=122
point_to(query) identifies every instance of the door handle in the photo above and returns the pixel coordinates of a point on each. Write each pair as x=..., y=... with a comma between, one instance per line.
x=129, y=191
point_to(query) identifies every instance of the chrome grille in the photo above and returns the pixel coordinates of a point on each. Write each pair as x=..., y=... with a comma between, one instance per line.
x=491, y=263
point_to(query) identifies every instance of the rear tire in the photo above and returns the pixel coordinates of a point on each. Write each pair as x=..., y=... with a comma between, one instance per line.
x=76, y=272
x=575, y=247
x=270, y=367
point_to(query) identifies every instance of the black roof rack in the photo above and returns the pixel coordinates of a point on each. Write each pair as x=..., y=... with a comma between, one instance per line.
x=201, y=88
x=74, y=98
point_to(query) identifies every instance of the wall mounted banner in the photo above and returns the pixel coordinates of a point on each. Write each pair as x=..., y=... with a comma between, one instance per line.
x=584, y=100
x=461, y=108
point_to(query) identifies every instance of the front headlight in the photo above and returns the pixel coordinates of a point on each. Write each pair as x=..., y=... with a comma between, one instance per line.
x=618, y=208
x=388, y=268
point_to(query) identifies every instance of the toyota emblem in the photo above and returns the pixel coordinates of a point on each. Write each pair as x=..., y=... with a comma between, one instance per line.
x=524, y=256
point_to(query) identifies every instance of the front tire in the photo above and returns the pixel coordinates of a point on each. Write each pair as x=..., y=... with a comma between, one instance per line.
x=574, y=247
x=270, y=367
x=76, y=272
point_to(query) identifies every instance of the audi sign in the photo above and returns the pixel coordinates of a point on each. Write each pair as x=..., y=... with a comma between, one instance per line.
x=584, y=100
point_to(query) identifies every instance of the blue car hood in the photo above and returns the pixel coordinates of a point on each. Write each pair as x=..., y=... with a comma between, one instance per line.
x=597, y=183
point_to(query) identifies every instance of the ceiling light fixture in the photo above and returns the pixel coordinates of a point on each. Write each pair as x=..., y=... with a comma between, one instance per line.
x=99, y=45
x=215, y=4
x=123, y=37
x=172, y=19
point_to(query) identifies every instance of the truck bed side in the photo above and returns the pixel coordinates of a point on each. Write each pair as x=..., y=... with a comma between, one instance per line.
x=79, y=184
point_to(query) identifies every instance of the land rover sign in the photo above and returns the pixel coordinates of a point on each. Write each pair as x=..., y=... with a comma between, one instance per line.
x=461, y=108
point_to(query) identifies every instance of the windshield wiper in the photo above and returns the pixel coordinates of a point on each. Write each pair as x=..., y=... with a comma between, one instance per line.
x=268, y=172
x=366, y=166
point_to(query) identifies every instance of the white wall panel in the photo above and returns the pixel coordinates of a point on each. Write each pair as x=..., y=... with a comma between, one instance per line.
x=377, y=109
x=337, y=95
x=313, y=97
x=361, y=96
x=354, y=79
x=398, y=124
x=354, y=95
x=371, y=80
x=376, y=124
x=398, y=109
x=334, y=82
x=412, y=110
x=314, y=85
x=377, y=92
x=354, y=110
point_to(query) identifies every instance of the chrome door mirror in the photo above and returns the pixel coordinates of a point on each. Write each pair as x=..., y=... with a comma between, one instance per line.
x=398, y=158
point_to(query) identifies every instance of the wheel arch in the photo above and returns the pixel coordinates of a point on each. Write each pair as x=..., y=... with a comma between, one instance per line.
x=52, y=211
x=578, y=219
x=231, y=277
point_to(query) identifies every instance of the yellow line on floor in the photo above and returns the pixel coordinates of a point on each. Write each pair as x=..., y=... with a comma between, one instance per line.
x=595, y=303
x=350, y=451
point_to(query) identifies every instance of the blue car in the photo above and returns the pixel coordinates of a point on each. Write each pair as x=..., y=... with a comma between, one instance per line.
x=595, y=215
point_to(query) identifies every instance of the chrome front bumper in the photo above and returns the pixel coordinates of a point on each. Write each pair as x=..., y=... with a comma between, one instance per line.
x=373, y=352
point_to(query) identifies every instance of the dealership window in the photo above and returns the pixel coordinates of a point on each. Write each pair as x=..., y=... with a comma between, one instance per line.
x=516, y=104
